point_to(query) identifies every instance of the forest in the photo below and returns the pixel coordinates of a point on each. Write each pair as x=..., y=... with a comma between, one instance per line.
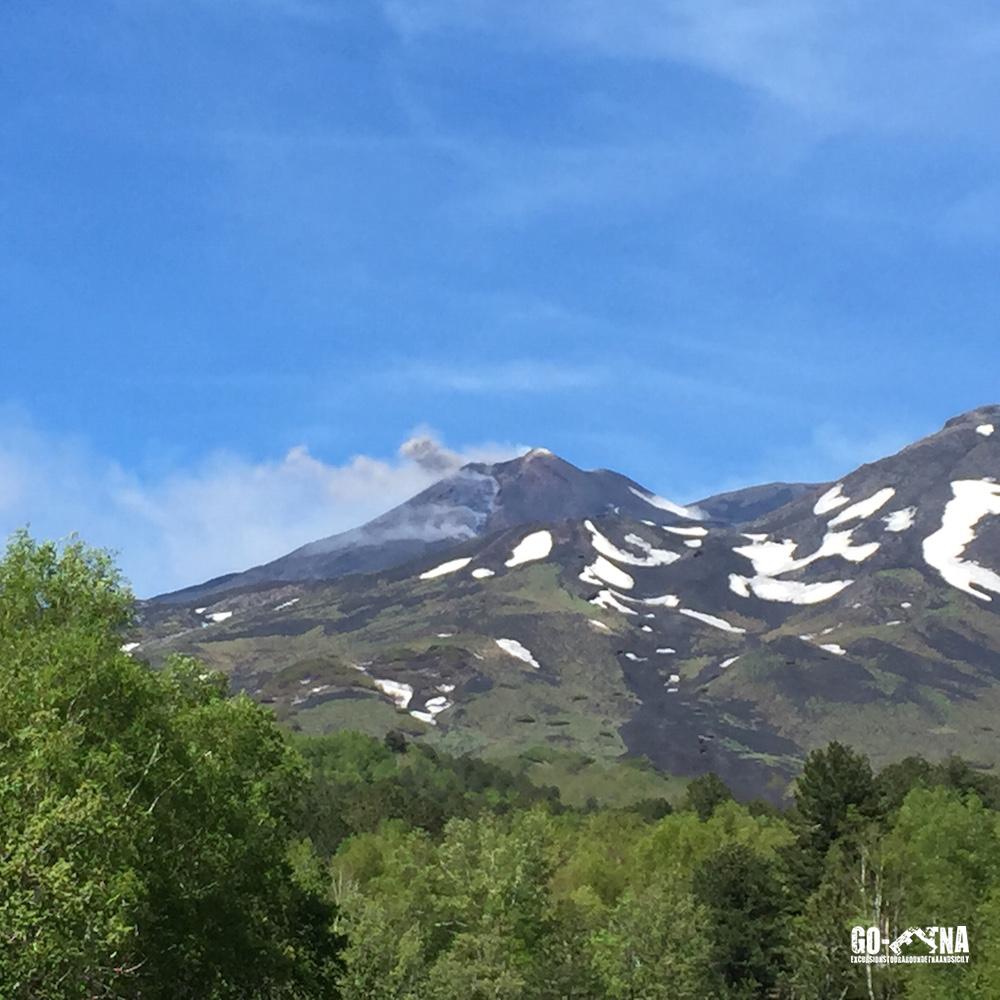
x=160, y=838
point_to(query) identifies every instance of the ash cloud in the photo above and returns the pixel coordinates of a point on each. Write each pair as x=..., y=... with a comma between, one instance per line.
x=427, y=452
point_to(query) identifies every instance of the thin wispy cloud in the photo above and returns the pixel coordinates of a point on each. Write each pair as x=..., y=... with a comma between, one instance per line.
x=822, y=453
x=222, y=514
x=844, y=64
x=507, y=377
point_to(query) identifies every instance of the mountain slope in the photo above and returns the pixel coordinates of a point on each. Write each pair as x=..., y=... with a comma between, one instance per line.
x=752, y=502
x=477, y=500
x=866, y=611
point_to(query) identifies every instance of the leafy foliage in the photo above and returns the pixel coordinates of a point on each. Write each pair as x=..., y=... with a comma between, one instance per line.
x=145, y=819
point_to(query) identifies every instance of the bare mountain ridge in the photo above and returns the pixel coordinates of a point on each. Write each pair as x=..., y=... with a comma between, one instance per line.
x=866, y=610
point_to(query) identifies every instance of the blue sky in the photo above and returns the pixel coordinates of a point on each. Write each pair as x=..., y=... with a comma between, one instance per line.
x=249, y=247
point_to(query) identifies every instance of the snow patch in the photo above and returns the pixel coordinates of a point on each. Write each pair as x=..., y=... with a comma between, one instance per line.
x=675, y=679
x=985, y=429
x=690, y=513
x=532, y=547
x=691, y=532
x=900, y=520
x=664, y=650
x=767, y=588
x=513, y=648
x=601, y=569
x=287, y=604
x=972, y=500
x=832, y=647
x=663, y=601
x=693, y=543
x=200, y=611
x=129, y=646
x=646, y=628
x=433, y=707
x=775, y=558
x=219, y=616
x=482, y=573
x=719, y=623
x=452, y=566
x=653, y=556
x=600, y=626
x=728, y=663
x=864, y=508
x=608, y=600
x=398, y=692
x=830, y=500
x=634, y=658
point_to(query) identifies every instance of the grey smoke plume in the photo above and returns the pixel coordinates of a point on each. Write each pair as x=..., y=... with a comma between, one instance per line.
x=429, y=454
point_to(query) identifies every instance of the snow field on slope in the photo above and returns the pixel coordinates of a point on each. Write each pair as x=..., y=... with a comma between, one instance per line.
x=398, y=692
x=972, y=500
x=692, y=532
x=513, y=648
x=433, y=708
x=864, y=508
x=719, y=623
x=653, y=557
x=600, y=570
x=607, y=600
x=830, y=500
x=532, y=547
x=767, y=588
x=452, y=566
x=900, y=520
x=661, y=503
x=774, y=558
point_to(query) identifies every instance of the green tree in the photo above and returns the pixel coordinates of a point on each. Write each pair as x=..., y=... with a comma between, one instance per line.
x=943, y=860
x=743, y=897
x=835, y=795
x=145, y=819
x=704, y=793
x=654, y=946
x=493, y=890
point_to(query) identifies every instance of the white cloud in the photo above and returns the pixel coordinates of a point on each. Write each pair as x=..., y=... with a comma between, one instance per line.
x=225, y=514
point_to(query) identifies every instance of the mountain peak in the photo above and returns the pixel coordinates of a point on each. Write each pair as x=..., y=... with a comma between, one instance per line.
x=476, y=500
x=979, y=417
